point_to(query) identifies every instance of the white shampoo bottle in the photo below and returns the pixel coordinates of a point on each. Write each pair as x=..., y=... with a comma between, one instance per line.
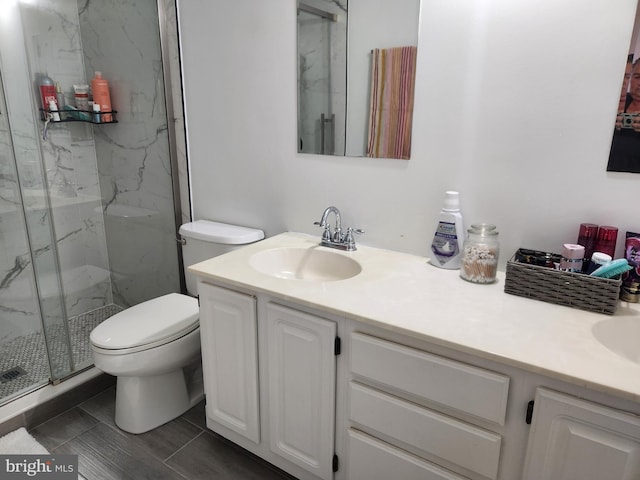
x=446, y=247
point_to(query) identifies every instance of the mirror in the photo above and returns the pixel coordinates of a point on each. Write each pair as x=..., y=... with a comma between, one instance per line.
x=356, y=76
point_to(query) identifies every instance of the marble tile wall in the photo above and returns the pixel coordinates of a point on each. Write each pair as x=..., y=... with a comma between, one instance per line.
x=121, y=39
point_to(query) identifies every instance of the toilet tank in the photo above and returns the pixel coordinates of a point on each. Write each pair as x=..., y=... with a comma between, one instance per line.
x=204, y=239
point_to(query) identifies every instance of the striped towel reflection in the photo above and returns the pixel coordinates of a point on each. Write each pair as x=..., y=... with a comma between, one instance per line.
x=391, y=104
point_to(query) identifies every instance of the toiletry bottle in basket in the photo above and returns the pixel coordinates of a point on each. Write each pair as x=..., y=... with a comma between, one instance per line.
x=587, y=238
x=606, y=240
x=572, y=258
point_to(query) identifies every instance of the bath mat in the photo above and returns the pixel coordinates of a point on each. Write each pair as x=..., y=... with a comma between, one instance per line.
x=20, y=442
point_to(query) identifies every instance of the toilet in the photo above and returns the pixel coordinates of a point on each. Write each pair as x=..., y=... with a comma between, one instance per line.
x=153, y=348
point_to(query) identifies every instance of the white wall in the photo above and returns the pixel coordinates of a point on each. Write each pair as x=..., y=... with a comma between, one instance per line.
x=515, y=105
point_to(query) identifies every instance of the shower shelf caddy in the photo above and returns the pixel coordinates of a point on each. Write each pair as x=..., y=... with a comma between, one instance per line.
x=74, y=116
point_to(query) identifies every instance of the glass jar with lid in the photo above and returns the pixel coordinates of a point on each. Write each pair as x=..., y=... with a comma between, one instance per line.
x=480, y=254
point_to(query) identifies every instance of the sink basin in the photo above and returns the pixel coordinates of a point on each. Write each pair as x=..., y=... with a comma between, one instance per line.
x=312, y=264
x=620, y=335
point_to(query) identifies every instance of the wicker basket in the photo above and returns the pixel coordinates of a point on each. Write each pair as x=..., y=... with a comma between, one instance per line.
x=571, y=289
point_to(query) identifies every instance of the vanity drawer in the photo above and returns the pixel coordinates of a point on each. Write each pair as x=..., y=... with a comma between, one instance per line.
x=435, y=434
x=453, y=384
x=372, y=459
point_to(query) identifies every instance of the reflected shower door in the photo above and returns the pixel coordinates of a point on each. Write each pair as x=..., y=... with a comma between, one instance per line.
x=322, y=76
x=316, y=121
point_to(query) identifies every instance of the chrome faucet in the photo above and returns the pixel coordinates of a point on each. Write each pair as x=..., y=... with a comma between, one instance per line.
x=335, y=238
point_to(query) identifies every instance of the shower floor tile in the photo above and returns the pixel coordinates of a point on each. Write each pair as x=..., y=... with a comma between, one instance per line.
x=28, y=351
x=80, y=328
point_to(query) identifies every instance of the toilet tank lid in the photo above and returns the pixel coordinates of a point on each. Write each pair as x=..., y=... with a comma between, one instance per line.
x=217, y=232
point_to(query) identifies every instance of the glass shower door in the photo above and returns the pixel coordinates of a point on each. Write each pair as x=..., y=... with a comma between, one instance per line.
x=87, y=212
x=23, y=363
x=33, y=330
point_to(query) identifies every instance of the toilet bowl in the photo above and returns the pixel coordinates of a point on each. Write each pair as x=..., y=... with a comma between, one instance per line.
x=147, y=347
x=153, y=348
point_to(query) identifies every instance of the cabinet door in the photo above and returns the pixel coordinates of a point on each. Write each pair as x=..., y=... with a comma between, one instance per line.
x=575, y=439
x=301, y=370
x=229, y=359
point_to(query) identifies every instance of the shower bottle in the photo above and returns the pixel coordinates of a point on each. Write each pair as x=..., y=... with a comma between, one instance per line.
x=100, y=89
x=446, y=247
x=47, y=92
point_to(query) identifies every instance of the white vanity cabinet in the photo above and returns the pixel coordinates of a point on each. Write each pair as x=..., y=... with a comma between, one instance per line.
x=402, y=411
x=433, y=382
x=392, y=406
x=229, y=338
x=572, y=438
x=302, y=378
x=270, y=379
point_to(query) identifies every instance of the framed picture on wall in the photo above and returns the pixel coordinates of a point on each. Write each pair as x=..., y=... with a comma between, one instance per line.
x=625, y=146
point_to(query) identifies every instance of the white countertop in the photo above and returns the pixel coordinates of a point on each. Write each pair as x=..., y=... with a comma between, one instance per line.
x=405, y=294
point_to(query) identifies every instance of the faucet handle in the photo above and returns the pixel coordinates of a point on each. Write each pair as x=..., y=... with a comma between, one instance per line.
x=348, y=238
x=351, y=230
x=326, y=235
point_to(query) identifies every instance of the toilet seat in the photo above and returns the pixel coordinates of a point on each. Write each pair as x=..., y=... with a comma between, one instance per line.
x=140, y=348
x=147, y=325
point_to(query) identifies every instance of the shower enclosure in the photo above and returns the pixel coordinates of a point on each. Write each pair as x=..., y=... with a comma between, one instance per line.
x=88, y=212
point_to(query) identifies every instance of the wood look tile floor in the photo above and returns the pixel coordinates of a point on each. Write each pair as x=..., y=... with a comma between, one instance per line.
x=181, y=449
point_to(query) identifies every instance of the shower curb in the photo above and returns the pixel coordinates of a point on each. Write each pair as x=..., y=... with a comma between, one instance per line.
x=34, y=416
